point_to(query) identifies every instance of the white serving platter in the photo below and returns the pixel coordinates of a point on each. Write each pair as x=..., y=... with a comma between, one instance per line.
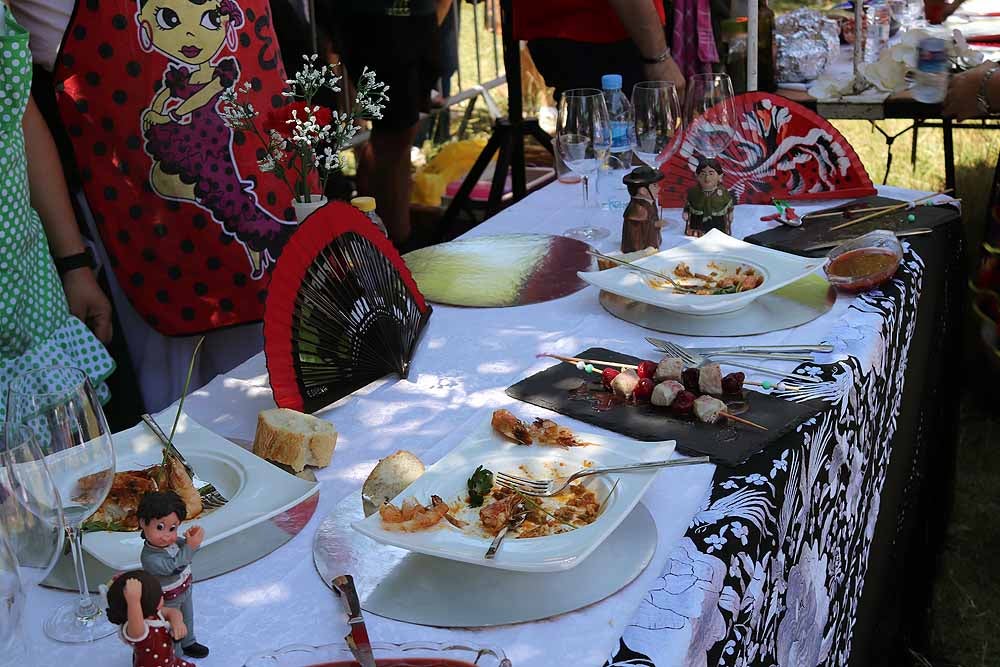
x=778, y=268
x=483, y=446
x=257, y=490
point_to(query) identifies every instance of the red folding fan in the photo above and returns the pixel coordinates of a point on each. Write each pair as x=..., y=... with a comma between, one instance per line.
x=781, y=150
x=342, y=310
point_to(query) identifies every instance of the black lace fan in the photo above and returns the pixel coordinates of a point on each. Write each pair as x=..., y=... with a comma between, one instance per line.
x=342, y=310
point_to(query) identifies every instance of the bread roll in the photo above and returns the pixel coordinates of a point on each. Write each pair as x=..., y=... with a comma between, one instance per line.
x=389, y=478
x=294, y=439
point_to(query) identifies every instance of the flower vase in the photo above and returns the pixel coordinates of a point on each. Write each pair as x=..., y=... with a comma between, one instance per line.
x=304, y=208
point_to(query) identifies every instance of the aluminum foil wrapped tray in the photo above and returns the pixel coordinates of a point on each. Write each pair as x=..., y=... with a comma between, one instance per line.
x=807, y=42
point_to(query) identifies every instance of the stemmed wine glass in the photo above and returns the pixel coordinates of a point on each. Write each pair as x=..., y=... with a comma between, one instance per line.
x=658, y=122
x=583, y=134
x=709, y=114
x=60, y=408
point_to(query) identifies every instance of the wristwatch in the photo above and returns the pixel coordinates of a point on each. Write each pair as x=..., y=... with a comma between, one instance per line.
x=983, y=98
x=658, y=59
x=72, y=262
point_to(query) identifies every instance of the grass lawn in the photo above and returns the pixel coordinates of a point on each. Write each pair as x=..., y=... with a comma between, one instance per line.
x=966, y=609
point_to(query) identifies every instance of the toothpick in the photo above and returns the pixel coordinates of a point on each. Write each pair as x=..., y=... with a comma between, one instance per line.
x=742, y=421
x=845, y=211
x=897, y=207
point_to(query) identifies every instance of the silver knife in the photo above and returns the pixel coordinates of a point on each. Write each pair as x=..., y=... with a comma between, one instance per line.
x=357, y=639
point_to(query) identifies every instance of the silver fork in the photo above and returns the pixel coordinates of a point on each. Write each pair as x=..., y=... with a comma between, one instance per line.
x=512, y=523
x=693, y=359
x=753, y=349
x=210, y=497
x=541, y=488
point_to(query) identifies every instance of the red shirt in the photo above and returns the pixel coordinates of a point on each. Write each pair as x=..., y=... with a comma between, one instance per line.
x=592, y=21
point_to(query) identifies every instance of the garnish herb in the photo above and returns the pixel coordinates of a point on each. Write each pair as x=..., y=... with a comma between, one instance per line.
x=480, y=485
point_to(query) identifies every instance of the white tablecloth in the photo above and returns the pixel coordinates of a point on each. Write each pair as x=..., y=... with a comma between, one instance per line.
x=466, y=359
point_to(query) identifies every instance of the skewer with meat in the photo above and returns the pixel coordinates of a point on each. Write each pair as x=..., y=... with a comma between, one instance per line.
x=669, y=368
x=709, y=409
x=665, y=393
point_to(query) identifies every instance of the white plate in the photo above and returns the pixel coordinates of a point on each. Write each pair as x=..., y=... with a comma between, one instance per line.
x=414, y=588
x=778, y=268
x=257, y=490
x=447, y=478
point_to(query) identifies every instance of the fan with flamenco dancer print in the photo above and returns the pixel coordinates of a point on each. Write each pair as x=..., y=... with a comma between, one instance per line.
x=342, y=310
x=778, y=150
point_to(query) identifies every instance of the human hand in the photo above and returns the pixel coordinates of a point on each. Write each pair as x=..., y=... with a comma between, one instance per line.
x=133, y=591
x=963, y=90
x=194, y=536
x=151, y=118
x=88, y=302
x=666, y=71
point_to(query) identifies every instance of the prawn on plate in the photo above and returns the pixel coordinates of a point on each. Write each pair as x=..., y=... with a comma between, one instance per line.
x=505, y=423
x=545, y=431
x=412, y=517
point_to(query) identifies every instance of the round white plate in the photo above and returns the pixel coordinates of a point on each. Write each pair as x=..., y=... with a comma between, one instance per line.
x=790, y=306
x=425, y=590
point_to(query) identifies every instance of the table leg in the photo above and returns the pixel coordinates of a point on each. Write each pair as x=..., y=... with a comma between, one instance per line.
x=949, y=157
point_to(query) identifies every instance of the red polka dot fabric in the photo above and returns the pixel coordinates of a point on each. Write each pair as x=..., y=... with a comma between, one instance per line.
x=780, y=150
x=191, y=225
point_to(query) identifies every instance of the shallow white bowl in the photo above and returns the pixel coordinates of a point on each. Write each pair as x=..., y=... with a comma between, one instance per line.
x=256, y=489
x=778, y=268
x=447, y=478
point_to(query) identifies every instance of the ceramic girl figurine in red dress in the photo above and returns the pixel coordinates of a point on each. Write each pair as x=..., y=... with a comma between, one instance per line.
x=135, y=601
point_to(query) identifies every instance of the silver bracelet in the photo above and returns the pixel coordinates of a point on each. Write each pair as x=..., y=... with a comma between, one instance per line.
x=658, y=59
x=983, y=98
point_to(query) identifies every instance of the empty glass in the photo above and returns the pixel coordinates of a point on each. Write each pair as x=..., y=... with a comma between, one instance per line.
x=583, y=132
x=59, y=407
x=658, y=122
x=709, y=114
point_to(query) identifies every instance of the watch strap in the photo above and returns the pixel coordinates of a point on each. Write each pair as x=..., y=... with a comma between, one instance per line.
x=72, y=262
x=658, y=59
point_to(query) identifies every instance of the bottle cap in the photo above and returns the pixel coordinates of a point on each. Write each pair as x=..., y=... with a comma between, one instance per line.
x=365, y=204
x=611, y=82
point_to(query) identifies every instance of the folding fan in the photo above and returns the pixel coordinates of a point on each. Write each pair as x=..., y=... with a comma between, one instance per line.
x=780, y=150
x=342, y=310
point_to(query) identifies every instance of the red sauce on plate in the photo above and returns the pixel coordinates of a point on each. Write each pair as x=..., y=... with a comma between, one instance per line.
x=862, y=268
x=401, y=662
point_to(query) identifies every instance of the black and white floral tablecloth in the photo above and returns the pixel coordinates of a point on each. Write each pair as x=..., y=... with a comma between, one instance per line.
x=773, y=567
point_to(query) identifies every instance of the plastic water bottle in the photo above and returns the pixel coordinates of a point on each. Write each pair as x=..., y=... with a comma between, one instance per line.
x=931, y=78
x=620, y=115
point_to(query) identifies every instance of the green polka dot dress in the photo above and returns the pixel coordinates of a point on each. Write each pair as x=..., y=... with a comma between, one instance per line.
x=36, y=327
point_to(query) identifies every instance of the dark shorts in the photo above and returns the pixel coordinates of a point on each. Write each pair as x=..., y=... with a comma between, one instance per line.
x=566, y=64
x=404, y=53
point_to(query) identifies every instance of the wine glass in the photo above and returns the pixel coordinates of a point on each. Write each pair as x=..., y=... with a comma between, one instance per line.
x=658, y=122
x=583, y=134
x=709, y=114
x=60, y=408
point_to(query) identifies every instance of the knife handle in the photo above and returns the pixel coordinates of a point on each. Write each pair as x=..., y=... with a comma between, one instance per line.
x=344, y=585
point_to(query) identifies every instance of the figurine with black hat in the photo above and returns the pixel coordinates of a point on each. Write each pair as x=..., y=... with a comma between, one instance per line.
x=641, y=222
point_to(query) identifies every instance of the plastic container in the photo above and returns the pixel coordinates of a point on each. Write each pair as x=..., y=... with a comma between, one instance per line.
x=931, y=78
x=865, y=262
x=367, y=206
x=620, y=115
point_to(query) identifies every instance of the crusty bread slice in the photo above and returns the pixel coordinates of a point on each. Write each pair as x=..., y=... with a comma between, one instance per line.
x=389, y=478
x=293, y=438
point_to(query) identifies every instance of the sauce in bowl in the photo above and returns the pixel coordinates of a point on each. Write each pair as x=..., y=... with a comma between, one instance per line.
x=863, y=268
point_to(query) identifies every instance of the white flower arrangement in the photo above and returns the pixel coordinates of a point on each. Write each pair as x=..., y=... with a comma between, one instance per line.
x=301, y=138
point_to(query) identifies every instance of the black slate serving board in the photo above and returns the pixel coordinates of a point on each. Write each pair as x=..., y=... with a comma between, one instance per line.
x=727, y=444
x=796, y=239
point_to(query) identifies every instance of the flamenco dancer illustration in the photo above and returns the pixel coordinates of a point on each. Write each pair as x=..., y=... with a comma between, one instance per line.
x=187, y=139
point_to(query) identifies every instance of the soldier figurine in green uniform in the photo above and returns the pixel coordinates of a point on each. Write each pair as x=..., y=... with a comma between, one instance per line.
x=709, y=204
x=641, y=221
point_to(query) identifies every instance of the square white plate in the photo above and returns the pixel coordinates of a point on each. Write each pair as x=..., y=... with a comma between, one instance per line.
x=447, y=478
x=778, y=268
x=256, y=489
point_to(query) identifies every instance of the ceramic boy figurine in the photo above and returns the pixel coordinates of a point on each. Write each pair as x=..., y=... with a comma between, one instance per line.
x=135, y=602
x=709, y=204
x=641, y=221
x=167, y=556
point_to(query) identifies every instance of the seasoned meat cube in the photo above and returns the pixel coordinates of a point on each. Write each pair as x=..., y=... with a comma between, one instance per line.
x=665, y=393
x=707, y=409
x=710, y=379
x=669, y=368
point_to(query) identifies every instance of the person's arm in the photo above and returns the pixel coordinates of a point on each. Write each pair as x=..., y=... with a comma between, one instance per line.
x=962, y=101
x=441, y=8
x=642, y=23
x=50, y=198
